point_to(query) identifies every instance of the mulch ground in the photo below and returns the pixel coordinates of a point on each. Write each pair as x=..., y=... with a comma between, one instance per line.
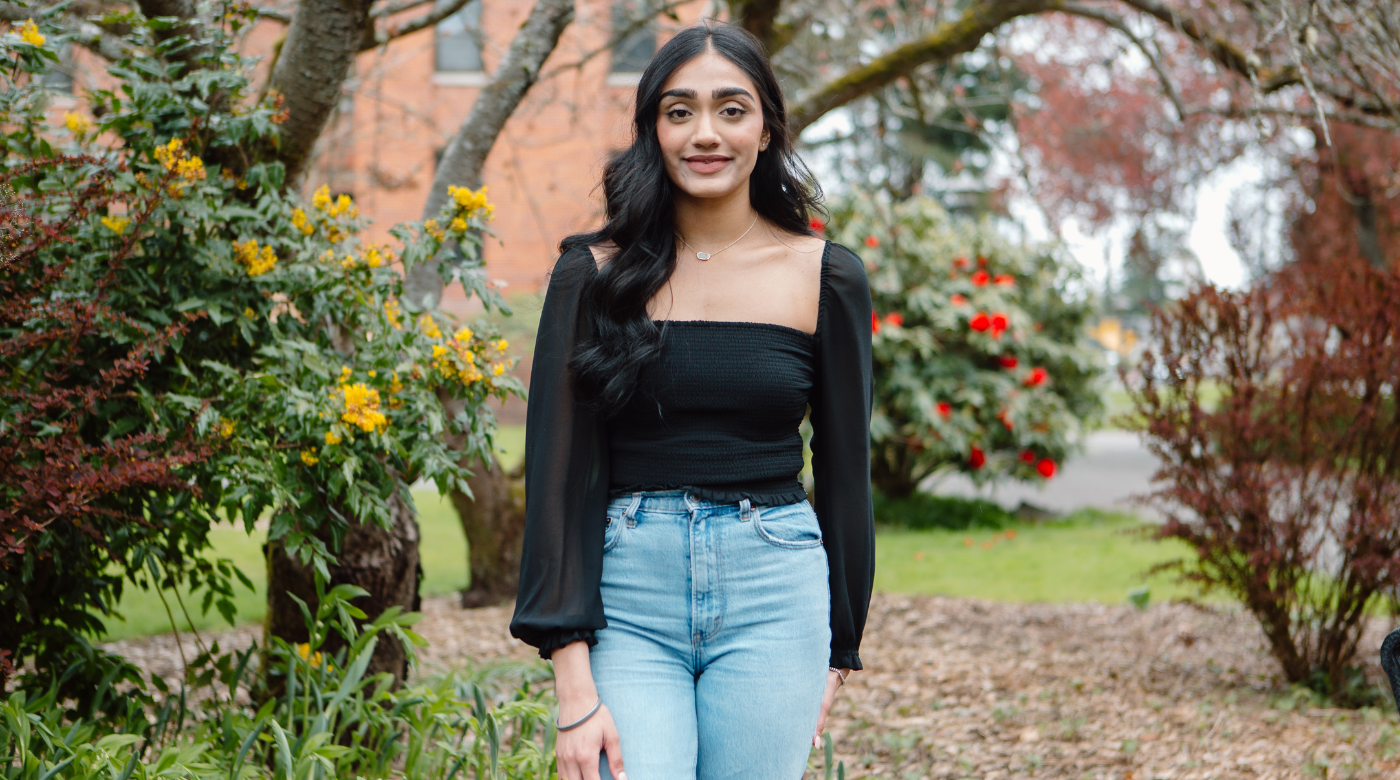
x=960, y=688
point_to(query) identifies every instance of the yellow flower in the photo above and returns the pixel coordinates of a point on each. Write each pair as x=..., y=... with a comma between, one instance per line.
x=331, y=438
x=76, y=123
x=249, y=313
x=463, y=335
x=322, y=198
x=334, y=234
x=116, y=224
x=394, y=384
x=472, y=203
x=459, y=224
x=429, y=327
x=258, y=262
x=373, y=374
x=304, y=650
x=29, y=33
x=433, y=229
x=362, y=407
x=392, y=311
x=344, y=374
x=300, y=222
x=226, y=427
x=501, y=345
x=309, y=457
x=348, y=262
x=498, y=369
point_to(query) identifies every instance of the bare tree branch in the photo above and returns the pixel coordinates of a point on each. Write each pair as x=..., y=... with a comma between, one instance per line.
x=276, y=16
x=382, y=36
x=321, y=44
x=956, y=37
x=465, y=156
x=1121, y=25
x=760, y=17
x=617, y=37
x=394, y=8
x=1221, y=50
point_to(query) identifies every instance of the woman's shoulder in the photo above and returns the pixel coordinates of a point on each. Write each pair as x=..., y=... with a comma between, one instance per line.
x=843, y=270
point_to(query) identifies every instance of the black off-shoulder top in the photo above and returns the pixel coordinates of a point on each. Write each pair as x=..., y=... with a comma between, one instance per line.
x=717, y=413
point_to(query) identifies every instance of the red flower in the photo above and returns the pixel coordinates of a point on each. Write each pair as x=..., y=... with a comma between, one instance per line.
x=980, y=322
x=894, y=318
x=981, y=278
x=960, y=262
x=982, y=260
x=1036, y=377
x=1027, y=457
x=945, y=409
x=1046, y=467
x=998, y=324
x=817, y=225
x=872, y=242
x=1006, y=421
x=1004, y=280
x=959, y=299
x=977, y=458
x=874, y=322
x=1007, y=361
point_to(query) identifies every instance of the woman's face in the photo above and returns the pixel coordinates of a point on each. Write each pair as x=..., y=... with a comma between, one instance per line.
x=710, y=126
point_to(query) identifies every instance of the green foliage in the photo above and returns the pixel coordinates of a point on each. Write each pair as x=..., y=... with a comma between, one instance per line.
x=922, y=511
x=329, y=721
x=318, y=391
x=981, y=359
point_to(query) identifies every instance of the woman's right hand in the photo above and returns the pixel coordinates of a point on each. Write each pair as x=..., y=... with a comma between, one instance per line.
x=577, y=750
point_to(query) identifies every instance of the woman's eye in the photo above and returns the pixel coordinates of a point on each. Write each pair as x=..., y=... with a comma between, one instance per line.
x=733, y=112
x=678, y=113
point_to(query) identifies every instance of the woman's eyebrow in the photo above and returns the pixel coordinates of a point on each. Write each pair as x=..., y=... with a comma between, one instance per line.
x=726, y=92
x=687, y=94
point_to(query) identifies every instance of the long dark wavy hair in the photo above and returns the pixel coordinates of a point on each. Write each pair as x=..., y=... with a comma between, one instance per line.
x=619, y=335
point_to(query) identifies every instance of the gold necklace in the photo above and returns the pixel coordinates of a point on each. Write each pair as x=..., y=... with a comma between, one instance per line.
x=707, y=255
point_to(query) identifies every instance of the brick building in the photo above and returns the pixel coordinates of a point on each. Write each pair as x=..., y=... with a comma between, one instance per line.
x=406, y=99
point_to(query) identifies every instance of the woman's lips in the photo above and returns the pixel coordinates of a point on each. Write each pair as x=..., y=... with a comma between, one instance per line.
x=706, y=163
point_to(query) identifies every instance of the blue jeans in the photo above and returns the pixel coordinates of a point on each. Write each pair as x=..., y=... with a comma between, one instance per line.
x=714, y=660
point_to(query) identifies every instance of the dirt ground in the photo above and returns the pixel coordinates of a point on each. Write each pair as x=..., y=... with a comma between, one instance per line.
x=959, y=688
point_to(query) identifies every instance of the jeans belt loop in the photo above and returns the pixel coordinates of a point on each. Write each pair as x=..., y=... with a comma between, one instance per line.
x=630, y=515
x=745, y=510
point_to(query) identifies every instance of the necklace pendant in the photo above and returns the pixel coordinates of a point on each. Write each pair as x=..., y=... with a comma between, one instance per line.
x=703, y=255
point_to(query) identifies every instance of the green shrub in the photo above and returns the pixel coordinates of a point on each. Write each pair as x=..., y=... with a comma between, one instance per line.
x=981, y=359
x=330, y=720
x=922, y=511
x=262, y=330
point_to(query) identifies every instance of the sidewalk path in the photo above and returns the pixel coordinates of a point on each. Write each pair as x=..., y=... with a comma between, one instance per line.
x=1112, y=469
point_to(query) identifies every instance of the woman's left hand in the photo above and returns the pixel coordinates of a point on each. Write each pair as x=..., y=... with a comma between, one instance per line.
x=833, y=681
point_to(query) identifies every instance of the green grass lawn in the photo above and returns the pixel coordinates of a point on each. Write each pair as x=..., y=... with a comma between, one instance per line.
x=1089, y=556
x=443, y=552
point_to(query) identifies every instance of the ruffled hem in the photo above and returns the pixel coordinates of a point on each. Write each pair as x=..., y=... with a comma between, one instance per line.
x=562, y=638
x=780, y=497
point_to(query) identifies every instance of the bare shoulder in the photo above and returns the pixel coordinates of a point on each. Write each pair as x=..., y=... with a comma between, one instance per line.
x=602, y=253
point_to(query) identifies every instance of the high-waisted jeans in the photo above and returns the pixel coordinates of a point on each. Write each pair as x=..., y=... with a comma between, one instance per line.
x=714, y=660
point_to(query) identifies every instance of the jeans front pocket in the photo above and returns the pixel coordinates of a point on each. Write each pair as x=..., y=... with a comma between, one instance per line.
x=792, y=526
x=612, y=527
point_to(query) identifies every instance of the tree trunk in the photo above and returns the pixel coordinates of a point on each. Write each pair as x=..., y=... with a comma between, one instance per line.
x=321, y=44
x=494, y=523
x=383, y=562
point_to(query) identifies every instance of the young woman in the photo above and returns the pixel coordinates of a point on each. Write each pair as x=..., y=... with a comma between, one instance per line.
x=699, y=612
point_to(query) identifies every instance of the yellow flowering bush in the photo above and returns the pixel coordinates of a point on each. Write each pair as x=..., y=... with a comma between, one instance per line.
x=187, y=168
x=115, y=224
x=29, y=33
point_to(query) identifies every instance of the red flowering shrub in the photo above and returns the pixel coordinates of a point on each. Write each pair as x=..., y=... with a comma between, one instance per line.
x=971, y=369
x=1288, y=485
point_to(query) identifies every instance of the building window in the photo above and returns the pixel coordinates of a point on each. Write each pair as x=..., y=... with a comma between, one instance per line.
x=459, y=40
x=633, y=52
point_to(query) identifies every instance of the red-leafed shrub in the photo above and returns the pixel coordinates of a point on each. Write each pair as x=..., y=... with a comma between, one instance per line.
x=1288, y=486
x=69, y=474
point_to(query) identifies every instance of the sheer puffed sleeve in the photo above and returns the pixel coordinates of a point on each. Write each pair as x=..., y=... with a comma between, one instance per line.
x=566, y=482
x=841, y=403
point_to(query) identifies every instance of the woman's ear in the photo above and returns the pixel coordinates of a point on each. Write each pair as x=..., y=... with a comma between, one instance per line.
x=763, y=141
